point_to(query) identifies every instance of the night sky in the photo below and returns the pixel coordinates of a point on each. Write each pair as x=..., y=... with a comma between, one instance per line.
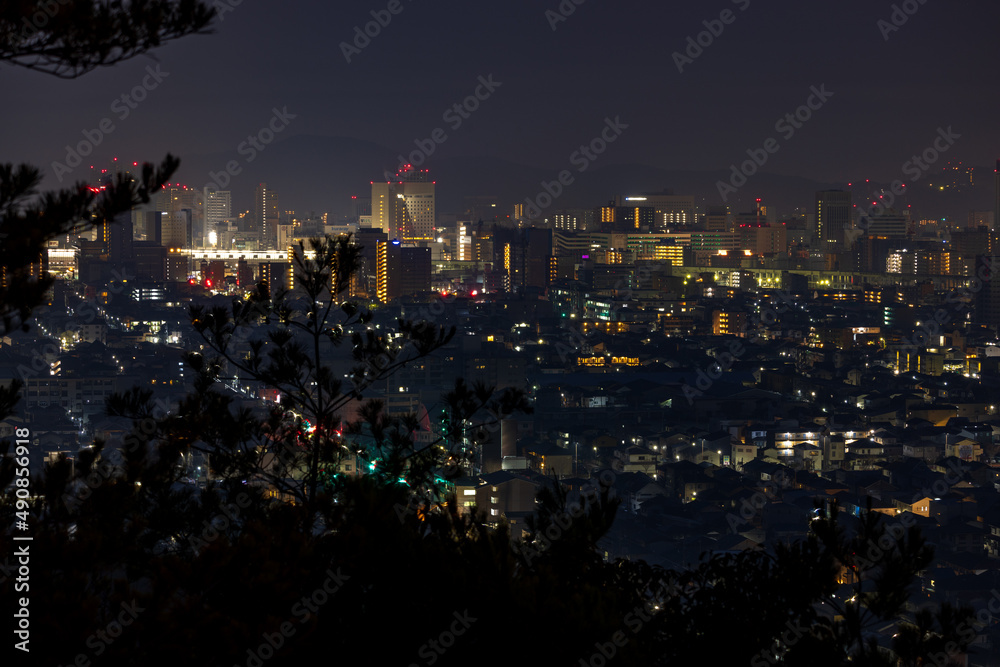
x=607, y=59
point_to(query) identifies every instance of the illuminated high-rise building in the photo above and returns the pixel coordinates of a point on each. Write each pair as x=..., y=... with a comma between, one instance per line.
x=604, y=217
x=919, y=262
x=634, y=218
x=265, y=216
x=185, y=203
x=987, y=299
x=218, y=208
x=175, y=229
x=573, y=220
x=34, y=270
x=277, y=276
x=178, y=266
x=404, y=208
x=401, y=269
x=670, y=211
x=463, y=242
x=244, y=274
x=996, y=194
x=833, y=217
x=368, y=240
x=888, y=223
x=716, y=219
x=537, y=251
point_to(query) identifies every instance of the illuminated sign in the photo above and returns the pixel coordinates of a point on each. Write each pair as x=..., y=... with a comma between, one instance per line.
x=601, y=361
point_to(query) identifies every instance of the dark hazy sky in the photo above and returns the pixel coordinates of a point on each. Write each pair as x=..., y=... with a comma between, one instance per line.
x=606, y=59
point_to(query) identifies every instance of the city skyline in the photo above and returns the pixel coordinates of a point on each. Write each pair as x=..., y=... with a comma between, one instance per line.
x=891, y=91
x=565, y=333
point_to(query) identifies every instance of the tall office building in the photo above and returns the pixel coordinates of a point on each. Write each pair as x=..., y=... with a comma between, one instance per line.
x=716, y=219
x=277, y=276
x=634, y=218
x=150, y=260
x=987, y=299
x=153, y=226
x=404, y=208
x=178, y=267
x=670, y=211
x=367, y=274
x=763, y=239
x=401, y=269
x=915, y=261
x=116, y=238
x=244, y=274
x=218, y=207
x=889, y=223
x=175, y=229
x=187, y=202
x=573, y=219
x=974, y=242
x=265, y=216
x=537, y=255
x=833, y=218
x=996, y=193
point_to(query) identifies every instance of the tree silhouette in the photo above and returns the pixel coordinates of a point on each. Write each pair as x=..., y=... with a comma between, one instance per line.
x=69, y=39
x=232, y=572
